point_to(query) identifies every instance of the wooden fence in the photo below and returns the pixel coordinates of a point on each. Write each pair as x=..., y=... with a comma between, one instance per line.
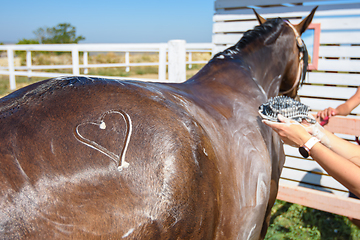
x=335, y=80
x=172, y=59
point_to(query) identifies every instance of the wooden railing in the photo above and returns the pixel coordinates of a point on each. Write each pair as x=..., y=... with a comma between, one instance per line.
x=175, y=51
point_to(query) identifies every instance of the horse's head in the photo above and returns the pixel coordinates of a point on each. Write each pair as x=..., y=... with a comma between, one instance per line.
x=295, y=69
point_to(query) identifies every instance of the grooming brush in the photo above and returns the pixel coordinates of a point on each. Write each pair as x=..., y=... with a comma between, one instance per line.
x=287, y=107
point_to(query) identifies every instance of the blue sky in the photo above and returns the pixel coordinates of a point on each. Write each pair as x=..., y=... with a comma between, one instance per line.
x=114, y=21
x=111, y=21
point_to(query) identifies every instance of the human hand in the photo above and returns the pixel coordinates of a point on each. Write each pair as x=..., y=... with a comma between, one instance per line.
x=290, y=131
x=325, y=114
x=316, y=130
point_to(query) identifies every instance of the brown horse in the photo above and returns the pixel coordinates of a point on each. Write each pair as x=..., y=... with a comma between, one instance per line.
x=90, y=158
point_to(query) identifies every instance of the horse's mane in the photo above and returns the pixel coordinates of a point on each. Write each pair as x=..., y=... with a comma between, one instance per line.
x=267, y=33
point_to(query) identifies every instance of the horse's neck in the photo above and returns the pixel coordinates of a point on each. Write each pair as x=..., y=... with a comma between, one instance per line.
x=232, y=69
x=265, y=69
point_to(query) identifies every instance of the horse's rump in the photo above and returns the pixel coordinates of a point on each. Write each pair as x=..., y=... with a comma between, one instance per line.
x=63, y=143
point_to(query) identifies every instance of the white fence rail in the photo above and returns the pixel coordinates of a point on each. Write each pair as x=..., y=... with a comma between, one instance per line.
x=176, y=54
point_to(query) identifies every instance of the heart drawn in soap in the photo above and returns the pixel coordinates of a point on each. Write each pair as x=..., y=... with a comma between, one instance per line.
x=90, y=139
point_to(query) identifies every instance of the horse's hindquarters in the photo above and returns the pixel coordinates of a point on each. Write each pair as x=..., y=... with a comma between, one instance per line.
x=63, y=151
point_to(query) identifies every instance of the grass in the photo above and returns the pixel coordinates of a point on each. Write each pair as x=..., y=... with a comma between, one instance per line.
x=20, y=82
x=288, y=221
x=293, y=221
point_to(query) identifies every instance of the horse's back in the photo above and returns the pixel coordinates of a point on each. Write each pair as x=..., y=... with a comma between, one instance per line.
x=80, y=159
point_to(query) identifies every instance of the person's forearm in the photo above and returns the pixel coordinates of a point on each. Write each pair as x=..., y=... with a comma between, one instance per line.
x=346, y=172
x=346, y=108
x=343, y=110
x=343, y=148
x=339, y=166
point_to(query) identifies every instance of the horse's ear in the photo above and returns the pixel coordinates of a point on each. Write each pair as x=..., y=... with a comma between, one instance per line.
x=301, y=27
x=259, y=18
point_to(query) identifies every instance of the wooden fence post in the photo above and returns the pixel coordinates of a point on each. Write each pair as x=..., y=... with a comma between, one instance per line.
x=190, y=59
x=162, y=64
x=127, y=61
x=28, y=62
x=85, y=62
x=177, y=61
x=10, y=55
x=75, y=60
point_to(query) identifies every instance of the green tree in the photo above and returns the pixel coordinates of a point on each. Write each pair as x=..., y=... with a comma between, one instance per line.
x=62, y=33
x=28, y=41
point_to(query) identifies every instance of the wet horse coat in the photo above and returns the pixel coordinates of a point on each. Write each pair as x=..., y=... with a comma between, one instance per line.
x=98, y=158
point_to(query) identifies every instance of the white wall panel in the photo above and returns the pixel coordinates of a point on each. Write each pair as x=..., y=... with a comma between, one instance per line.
x=333, y=78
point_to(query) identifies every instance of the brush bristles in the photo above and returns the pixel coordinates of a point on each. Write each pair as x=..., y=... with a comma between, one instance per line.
x=285, y=106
